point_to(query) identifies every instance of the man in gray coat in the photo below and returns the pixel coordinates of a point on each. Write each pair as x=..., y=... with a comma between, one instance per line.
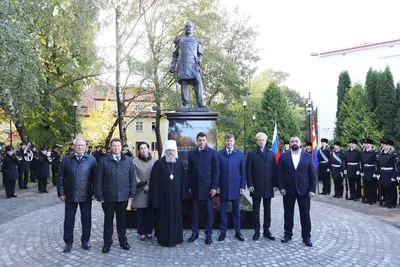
x=115, y=184
x=75, y=187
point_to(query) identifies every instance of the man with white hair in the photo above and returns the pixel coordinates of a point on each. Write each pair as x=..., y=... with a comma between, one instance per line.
x=165, y=196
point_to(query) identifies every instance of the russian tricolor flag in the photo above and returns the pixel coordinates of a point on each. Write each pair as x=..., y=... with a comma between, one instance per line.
x=275, y=144
x=314, y=146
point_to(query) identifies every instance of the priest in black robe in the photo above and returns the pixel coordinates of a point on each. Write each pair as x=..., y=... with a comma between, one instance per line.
x=165, y=196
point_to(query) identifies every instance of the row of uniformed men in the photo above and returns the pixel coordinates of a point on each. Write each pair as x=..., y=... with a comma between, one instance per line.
x=376, y=169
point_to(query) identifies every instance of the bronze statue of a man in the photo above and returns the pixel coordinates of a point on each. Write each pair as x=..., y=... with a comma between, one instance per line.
x=185, y=64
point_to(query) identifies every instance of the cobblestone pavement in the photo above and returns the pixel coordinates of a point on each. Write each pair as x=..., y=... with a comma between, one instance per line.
x=343, y=233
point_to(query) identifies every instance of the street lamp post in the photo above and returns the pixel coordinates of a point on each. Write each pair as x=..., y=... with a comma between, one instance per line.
x=75, y=106
x=309, y=114
x=244, y=103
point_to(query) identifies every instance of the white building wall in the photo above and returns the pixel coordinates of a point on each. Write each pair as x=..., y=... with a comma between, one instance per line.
x=328, y=67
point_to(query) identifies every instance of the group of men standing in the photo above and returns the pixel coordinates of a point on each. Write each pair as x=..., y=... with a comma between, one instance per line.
x=368, y=173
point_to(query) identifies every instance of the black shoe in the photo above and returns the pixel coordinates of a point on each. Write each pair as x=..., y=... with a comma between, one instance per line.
x=193, y=237
x=208, y=240
x=8, y=196
x=46, y=191
x=67, y=248
x=256, y=236
x=371, y=203
x=26, y=187
x=386, y=205
x=106, y=248
x=334, y=196
x=350, y=198
x=14, y=196
x=85, y=246
x=221, y=237
x=239, y=236
x=269, y=235
x=286, y=239
x=356, y=199
x=308, y=242
x=125, y=246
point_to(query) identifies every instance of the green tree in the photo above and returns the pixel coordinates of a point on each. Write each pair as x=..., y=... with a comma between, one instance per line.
x=370, y=86
x=343, y=85
x=360, y=122
x=386, y=108
x=273, y=108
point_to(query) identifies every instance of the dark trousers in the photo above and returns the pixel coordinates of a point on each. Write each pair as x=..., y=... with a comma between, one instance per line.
x=10, y=187
x=355, y=187
x=196, y=216
x=338, y=187
x=33, y=174
x=42, y=184
x=325, y=177
x=235, y=215
x=119, y=208
x=144, y=222
x=391, y=195
x=370, y=190
x=23, y=179
x=304, y=208
x=54, y=175
x=256, y=214
x=69, y=220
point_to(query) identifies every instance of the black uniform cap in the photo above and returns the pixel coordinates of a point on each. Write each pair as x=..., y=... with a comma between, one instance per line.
x=367, y=141
x=308, y=144
x=338, y=143
x=43, y=148
x=353, y=141
x=324, y=140
x=9, y=148
x=388, y=142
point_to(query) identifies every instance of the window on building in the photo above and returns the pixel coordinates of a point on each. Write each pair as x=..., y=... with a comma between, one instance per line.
x=154, y=146
x=139, y=126
x=153, y=126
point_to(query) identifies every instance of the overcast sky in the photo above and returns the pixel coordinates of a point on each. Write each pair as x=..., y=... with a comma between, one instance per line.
x=290, y=30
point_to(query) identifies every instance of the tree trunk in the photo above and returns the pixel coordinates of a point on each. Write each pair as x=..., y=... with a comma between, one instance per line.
x=111, y=133
x=15, y=117
x=119, y=90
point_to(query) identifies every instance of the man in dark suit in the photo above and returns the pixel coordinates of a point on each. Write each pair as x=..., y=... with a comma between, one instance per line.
x=232, y=183
x=296, y=181
x=261, y=179
x=203, y=178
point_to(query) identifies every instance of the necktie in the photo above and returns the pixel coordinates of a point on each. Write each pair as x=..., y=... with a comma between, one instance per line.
x=118, y=158
x=229, y=151
x=79, y=157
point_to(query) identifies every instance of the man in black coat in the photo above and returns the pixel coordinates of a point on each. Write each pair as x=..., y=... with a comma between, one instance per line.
x=33, y=165
x=261, y=179
x=75, y=187
x=23, y=167
x=10, y=173
x=203, y=177
x=43, y=169
x=55, y=163
x=115, y=184
x=353, y=170
x=324, y=167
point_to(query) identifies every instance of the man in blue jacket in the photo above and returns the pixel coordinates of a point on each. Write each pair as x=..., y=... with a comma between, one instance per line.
x=75, y=187
x=232, y=183
x=296, y=181
x=203, y=177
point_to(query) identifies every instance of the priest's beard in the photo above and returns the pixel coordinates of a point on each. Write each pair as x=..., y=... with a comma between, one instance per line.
x=170, y=158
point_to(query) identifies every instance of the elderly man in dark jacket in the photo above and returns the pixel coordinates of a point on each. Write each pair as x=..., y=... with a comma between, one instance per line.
x=115, y=184
x=203, y=177
x=261, y=179
x=75, y=187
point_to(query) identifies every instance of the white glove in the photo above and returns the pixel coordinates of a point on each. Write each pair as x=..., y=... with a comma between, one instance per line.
x=328, y=170
x=341, y=174
x=357, y=173
x=378, y=176
x=374, y=175
x=398, y=178
x=345, y=172
x=251, y=189
x=218, y=190
x=138, y=180
x=393, y=179
x=311, y=194
x=146, y=188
